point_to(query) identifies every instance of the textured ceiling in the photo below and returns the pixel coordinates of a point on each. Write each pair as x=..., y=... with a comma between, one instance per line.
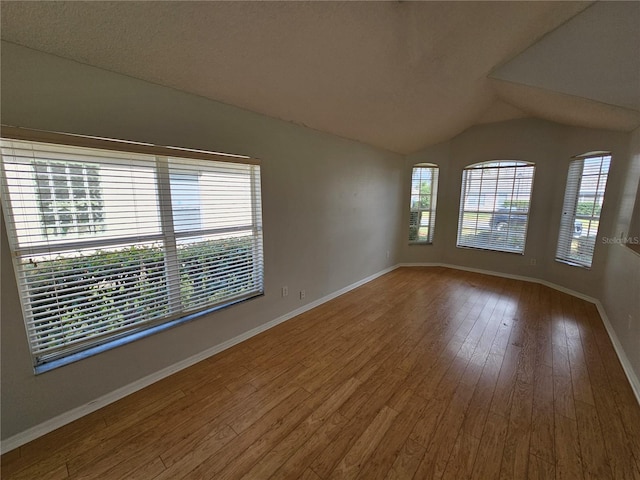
x=594, y=55
x=587, y=72
x=397, y=75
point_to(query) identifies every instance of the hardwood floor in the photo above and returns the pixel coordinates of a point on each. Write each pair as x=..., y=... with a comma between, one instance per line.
x=425, y=373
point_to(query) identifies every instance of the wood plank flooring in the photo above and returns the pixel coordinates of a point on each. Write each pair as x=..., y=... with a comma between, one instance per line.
x=425, y=373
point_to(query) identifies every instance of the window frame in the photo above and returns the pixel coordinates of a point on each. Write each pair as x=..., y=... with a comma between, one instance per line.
x=417, y=213
x=512, y=196
x=169, y=238
x=573, y=192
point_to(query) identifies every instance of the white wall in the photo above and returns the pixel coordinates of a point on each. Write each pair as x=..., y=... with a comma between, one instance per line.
x=621, y=280
x=331, y=209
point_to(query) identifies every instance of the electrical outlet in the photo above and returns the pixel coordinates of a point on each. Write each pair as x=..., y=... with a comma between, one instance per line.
x=388, y=254
x=302, y=294
x=533, y=261
x=285, y=291
x=629, y=322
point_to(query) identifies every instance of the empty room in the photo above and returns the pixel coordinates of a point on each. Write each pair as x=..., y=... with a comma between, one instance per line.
x=320, y=240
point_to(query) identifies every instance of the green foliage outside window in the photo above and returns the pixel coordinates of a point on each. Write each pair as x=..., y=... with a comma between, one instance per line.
x=116, y=288
x=588, y=209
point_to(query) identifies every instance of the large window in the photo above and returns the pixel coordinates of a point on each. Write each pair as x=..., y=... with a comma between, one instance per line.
x=107, y=244
x=424, y=192
x=583, y=199
x=494, y=205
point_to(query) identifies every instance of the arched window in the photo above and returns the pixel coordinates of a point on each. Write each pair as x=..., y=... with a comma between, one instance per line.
x=494, y=205
x=424, y=191
x=583, y=197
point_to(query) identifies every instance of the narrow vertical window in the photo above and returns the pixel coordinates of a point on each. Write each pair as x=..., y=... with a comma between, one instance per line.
x=583, y=198
x=424, y=191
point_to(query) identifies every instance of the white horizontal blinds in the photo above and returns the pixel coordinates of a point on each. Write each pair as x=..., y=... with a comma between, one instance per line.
x=70, y=197
x=584, y=195
x=107, y=243
x=218, y=228
x=63, y=197
x=75, y=301
x=87, y=243
x=494, y=205
x=422, y=216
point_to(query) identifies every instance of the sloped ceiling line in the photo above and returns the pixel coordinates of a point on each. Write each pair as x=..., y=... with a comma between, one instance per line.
x=400, y=76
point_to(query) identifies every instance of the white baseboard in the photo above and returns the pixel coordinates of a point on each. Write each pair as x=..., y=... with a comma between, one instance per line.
x=76, y=413
x=68, y=417
x=505, y=275
x=617, y=346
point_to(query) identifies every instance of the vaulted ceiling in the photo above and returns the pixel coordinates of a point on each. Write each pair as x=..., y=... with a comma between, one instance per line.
x=396, y=75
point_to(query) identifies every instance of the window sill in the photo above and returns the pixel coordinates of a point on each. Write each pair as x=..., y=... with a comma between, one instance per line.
x=95, y=350
x=466, y=247
x=572, y=264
